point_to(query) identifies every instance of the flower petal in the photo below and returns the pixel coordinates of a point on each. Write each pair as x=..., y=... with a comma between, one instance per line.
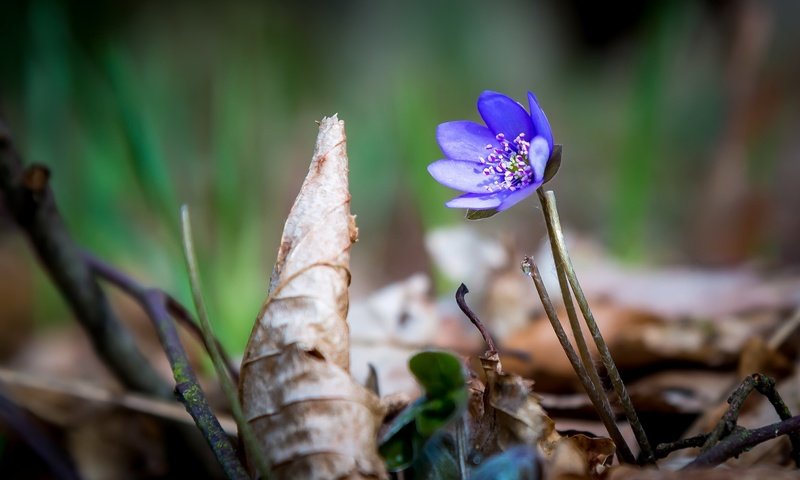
x=475, y=201
x=541, y=126
x=538, y=155
x=461, y=175
x=503, y=114
x=515, y=197
x=464, y=140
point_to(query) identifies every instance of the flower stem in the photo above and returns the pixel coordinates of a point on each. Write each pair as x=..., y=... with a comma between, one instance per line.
x=565, y=268
x=591, y=383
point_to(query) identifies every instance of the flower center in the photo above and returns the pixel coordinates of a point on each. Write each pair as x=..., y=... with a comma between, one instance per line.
x=510, y=162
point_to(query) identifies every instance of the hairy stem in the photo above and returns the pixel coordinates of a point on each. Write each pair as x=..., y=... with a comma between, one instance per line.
x=564, y=265
x=591, y=383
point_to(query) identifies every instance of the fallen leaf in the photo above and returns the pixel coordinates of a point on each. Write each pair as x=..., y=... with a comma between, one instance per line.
x=388, y=328
x=311, y=417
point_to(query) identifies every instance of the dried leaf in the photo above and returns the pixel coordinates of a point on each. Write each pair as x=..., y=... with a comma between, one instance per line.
x=506, y=412
x=311, y=417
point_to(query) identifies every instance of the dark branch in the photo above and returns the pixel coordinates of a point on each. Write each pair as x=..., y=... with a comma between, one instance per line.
x=664, y=449
x=742, y=440
x=462, y=304
x=765, y=386
x=174, y=307
x=30, y=201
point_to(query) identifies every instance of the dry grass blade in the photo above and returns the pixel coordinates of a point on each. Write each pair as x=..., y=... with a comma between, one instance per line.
x=25, y=384
x=312, y=417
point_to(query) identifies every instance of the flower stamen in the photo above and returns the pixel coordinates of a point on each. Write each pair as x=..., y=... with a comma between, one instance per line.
x=509, y=164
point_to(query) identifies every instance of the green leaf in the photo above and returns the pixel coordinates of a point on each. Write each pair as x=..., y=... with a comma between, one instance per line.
x=441, y=376
x=553, y=164
x=437, y=413
x=399, y=451
x=406, y=417
x=480, y=214
x=437, y=372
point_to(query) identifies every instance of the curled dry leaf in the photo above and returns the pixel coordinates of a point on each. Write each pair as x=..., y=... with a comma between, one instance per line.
x=311, y=417
x=505, y=412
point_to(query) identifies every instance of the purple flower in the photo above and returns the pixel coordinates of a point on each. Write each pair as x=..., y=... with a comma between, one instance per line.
x=497, y=165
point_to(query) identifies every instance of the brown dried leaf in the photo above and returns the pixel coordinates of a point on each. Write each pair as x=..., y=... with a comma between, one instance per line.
x=580, y=456
x=311, y=417
x=506, y=412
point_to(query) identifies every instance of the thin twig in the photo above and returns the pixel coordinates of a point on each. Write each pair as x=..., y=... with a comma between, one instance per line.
x=664, y=449
x=564, y=263
x=246, y=432
x=154, y=302
x=182, y=315
x=462, y=304
x=598, y=399
x=29, y=199
x=174, y=307
x=728, y=421
x=739, y=442
x=53, y=456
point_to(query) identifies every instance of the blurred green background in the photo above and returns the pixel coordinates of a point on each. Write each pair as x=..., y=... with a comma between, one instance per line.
x=679, y=122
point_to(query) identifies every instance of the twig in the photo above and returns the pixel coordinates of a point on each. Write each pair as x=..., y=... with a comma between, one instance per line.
x=154, y=302
x=56, y=459
x=30, y=201
x=563, y=263
x=462, y=304
x=246, y=432
x=766, y=386
x=174, y=307
x=664, y=449
x=591, y=384
x=182, y=315
x=743, y=440
x=166, y=409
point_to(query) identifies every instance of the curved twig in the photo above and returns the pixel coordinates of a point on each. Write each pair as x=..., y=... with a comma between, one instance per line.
x=462, y=304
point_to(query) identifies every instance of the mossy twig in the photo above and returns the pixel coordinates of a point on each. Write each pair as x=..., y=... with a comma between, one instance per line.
x=154, y=302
